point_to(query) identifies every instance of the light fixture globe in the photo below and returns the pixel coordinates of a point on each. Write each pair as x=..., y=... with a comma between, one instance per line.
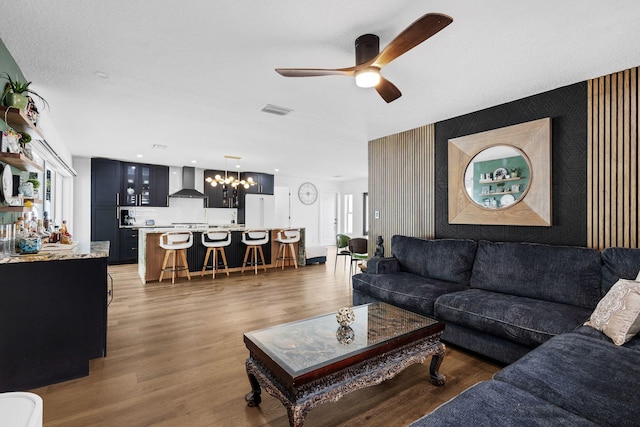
x=367, y=77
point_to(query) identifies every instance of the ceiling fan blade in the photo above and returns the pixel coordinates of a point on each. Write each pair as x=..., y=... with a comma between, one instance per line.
x=313, y=72
x=413, y=35
x=387, y=90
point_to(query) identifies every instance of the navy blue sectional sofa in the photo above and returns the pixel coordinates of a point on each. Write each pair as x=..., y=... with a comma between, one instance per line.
x=521, y=302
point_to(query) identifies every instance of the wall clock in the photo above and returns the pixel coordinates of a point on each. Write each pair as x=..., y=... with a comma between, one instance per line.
x=308, y=193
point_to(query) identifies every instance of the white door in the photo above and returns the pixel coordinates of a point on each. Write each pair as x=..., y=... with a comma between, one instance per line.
x=328, y=218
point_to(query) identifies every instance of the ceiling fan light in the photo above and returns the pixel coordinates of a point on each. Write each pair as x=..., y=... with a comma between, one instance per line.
x=368, y=77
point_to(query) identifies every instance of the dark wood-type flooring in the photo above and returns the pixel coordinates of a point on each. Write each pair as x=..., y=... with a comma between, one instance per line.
x=176, y=356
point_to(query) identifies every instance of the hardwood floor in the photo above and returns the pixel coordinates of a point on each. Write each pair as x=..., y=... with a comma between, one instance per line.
x=176, y=356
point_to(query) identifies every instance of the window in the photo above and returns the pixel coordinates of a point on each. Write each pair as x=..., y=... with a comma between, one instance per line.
x=365, y=214
x=348, y=214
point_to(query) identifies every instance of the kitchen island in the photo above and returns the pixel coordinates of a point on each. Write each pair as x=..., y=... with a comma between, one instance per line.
x=151, y=255
x=53, y=312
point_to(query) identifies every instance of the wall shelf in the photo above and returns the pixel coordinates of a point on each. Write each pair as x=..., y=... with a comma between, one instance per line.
x=18, y=120
x=18, y=209
x=21, y=162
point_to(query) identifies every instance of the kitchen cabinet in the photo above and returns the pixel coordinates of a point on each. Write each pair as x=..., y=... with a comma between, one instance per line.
x=105, y=194
x=54, y=317
x=144, y=185
x=264, y=183
x=217, y=198
x=128, y=245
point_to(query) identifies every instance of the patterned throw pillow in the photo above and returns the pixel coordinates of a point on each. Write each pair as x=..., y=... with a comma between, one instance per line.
x=618, y=314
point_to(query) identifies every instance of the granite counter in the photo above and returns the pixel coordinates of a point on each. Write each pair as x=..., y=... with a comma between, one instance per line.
x=58, y=252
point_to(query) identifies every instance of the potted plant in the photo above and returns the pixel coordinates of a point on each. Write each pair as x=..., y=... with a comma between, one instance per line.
x=515, y=172
x=36, y=186
x=16, y=93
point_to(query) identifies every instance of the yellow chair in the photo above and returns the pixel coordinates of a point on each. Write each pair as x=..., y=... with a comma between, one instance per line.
x=174, y=243
x=215, y=241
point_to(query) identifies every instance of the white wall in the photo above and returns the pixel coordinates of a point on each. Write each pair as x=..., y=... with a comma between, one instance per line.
x=308, y=216
x=80, y=222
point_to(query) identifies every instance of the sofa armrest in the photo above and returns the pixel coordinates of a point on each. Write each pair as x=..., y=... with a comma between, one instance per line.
x=383, y=265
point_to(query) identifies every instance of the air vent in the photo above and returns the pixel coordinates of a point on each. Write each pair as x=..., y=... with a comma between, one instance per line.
x=274, y=109
x=159, y=147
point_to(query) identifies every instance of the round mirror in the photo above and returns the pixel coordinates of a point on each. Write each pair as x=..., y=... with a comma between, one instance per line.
x=497, y=177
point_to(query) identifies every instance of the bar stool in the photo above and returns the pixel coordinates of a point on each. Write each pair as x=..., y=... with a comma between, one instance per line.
x=254, y=239
x=174, y=242
x=287, y=238
x=215, y=241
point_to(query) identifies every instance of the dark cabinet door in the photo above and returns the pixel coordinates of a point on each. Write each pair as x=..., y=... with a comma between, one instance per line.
x=128, y=245
x=136, y=184
x=105, y=182
x=220, y=196
x=264, y=183
x=104, y=227
x=144, y=185
x=105, y=194
x=159, y=186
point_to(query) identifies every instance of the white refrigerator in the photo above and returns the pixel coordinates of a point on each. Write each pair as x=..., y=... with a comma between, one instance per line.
x=259, y=211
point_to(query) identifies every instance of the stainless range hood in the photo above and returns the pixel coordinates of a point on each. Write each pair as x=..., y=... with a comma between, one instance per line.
x=188, y=185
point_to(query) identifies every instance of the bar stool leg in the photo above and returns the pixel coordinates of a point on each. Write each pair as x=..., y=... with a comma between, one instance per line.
x=215, y=262
x=173, y=273
x=164, y=264
x=206, y=259
x=255, y=260
x=264, y=265
x=246, y=255
x=224, y=259
x=293, y=255
x=183, y=252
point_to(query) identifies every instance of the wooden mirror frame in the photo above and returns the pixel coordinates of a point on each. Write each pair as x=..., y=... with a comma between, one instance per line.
x=534, y=140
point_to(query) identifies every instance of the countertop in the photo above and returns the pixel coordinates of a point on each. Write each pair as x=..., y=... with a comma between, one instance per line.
x=87, y=250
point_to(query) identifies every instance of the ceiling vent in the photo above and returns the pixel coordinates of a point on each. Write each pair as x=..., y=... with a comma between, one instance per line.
x=159, y=147
x=274, y=109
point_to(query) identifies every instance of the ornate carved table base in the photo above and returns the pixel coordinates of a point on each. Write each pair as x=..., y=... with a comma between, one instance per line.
x=299, y=400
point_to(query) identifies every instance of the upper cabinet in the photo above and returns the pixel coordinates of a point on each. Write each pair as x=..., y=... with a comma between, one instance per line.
x=264, y=183
x=220, y=196
x=144, y=185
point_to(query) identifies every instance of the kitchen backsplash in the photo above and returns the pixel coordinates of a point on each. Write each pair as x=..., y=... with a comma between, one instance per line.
x=182, y=210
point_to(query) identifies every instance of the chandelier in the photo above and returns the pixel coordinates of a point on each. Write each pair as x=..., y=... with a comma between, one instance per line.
x=229, y=179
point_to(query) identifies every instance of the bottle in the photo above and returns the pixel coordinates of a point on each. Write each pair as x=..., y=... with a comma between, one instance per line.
x=55, y=235
x=63, y=228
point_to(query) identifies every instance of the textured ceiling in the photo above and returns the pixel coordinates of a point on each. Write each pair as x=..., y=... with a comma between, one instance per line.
x=194, y=74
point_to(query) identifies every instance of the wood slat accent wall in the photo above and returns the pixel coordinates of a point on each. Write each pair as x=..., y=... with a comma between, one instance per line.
x=612, y=162
x=402, y=185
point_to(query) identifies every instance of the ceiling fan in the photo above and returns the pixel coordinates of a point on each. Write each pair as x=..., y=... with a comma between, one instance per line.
x=369, y=59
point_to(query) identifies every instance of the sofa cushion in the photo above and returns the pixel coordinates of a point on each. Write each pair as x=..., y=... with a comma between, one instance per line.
x=450, y=260
x=494, y=404
x=633, y=343
x=562, y=274
x=593, y=378
x=618, y=313
x=619, y=263
x=404, y=290
x=526, y=321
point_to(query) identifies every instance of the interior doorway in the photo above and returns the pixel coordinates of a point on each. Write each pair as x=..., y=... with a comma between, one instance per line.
x=328, y=218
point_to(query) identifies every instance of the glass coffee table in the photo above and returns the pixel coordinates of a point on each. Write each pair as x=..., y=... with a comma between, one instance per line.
x=312, y=361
